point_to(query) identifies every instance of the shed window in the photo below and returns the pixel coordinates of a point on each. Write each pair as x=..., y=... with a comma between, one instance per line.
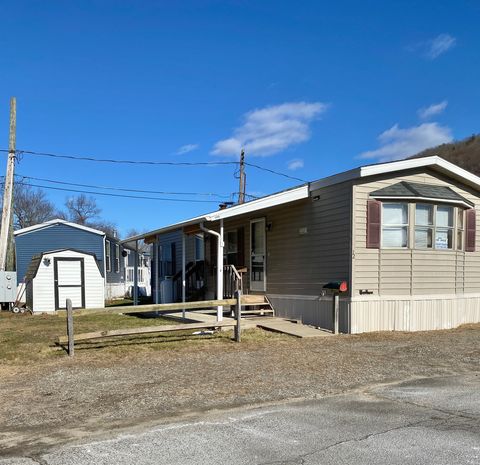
x=394, y=225
x=117, y=258
x=108, y=258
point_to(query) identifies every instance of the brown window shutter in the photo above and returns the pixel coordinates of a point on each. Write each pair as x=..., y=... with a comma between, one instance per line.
x=241, y=247
x=373, y=224
x=470, y=230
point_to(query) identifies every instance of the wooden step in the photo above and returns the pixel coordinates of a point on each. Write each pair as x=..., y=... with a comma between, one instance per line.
x=252, y=299
x=257, y=312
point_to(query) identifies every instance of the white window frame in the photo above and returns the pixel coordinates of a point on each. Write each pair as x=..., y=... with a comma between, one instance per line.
x=108, y=256
x=407, y=225
x=460, y=211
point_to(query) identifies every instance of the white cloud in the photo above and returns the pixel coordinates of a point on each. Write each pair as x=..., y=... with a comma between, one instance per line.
x=397, y=143
x=295, y=164
x=439, y=45
x=187, y=148
x=432, y=110
x=270, y=130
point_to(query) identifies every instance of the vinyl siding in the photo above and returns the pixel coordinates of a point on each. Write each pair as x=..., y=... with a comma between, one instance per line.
x=409, y=271
x=55, y=237
x=114, y=277
x=41, y=291
x=300, y=264
x=165, y=240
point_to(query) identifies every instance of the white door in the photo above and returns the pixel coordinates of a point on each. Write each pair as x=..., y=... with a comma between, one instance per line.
x=257, y=255
x=69, y=282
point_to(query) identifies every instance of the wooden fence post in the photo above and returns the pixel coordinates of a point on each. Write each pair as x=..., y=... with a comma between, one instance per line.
x=238, y=314
x=70, y=328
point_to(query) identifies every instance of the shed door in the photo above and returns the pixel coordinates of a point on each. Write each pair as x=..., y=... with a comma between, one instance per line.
x=69, y=282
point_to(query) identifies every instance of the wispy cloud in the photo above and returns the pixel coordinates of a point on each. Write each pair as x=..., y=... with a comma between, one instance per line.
x=439, y=45
x=270, y=130
x=397, y=143
x=432, y=110
x=295, y=164
x=187, y=148
x=433, y=48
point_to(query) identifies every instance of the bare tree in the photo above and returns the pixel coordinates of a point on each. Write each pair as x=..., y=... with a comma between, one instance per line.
x=84, y=210
x=142, y=246
x=30, y=206
x=81, y=209
x=106, y=226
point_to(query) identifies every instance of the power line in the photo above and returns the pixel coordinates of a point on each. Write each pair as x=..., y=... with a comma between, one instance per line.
x=117, y=195
x=275, y=172
x=208, y=194
x=152, y=162
x=130, y=162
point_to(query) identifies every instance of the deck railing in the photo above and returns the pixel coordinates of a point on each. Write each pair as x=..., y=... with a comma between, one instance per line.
x=194, y=282
x=232, y=281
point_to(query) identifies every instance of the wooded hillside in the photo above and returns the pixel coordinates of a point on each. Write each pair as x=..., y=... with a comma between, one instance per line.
x=464, y=153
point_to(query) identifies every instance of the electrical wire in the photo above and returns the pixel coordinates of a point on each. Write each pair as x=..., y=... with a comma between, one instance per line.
x=53, y=181
x=275, y=172
x=152, y=162
x=131, y=162
x=107, y=194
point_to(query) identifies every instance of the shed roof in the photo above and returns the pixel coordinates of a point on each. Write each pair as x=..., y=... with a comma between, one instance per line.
x=412, y=190
x=50, y=223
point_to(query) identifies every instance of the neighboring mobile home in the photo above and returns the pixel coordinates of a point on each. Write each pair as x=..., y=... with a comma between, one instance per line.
x=111, y=256
x=402, y=234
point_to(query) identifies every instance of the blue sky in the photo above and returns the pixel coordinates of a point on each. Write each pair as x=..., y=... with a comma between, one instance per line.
x=309, y=88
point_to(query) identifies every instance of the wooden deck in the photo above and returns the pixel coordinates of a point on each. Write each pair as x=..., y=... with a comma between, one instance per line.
x=276, y=324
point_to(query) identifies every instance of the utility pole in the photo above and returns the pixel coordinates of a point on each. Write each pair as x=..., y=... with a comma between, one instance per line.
x=6, y=252
x=242, y=178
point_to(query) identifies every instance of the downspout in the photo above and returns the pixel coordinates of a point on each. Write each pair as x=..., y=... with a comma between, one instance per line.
x=219, y=264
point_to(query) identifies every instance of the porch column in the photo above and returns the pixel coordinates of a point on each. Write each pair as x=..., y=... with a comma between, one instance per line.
x=220, y=272
x=183, y=274
x=135, y=275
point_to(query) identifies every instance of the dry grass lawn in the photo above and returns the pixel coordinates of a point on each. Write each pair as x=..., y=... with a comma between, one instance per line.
x=30, y=339
x=50, y=398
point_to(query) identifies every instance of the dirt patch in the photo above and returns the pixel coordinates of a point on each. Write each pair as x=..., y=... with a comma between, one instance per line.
x=59, y=399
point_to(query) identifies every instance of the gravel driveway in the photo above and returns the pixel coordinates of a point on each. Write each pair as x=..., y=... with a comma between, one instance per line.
x=63, y=400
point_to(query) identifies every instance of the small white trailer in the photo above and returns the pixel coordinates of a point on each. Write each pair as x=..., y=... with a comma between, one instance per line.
x=55, y=276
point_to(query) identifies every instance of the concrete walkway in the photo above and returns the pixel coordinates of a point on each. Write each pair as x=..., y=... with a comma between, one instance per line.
x=429, y=422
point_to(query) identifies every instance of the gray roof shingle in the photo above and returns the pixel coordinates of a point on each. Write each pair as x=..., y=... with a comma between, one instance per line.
x=422, y=191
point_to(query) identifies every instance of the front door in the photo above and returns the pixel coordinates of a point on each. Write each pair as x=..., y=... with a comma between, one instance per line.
x=257, y=255
x=69, y=282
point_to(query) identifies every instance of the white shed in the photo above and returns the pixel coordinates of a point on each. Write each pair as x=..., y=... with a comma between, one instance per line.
x=53, y=277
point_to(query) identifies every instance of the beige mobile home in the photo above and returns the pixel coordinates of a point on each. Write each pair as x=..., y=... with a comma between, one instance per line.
x=402, y=234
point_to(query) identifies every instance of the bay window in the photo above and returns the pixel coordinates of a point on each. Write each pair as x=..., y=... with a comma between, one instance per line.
x=460, y=228
x=433, y=226
x=395, y=225
x=444, y=228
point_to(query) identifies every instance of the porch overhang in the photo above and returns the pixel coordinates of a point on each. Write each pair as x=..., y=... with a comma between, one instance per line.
x=192, y=224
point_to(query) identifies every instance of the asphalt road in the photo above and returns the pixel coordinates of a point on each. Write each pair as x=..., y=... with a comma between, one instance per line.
x=429, y=421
